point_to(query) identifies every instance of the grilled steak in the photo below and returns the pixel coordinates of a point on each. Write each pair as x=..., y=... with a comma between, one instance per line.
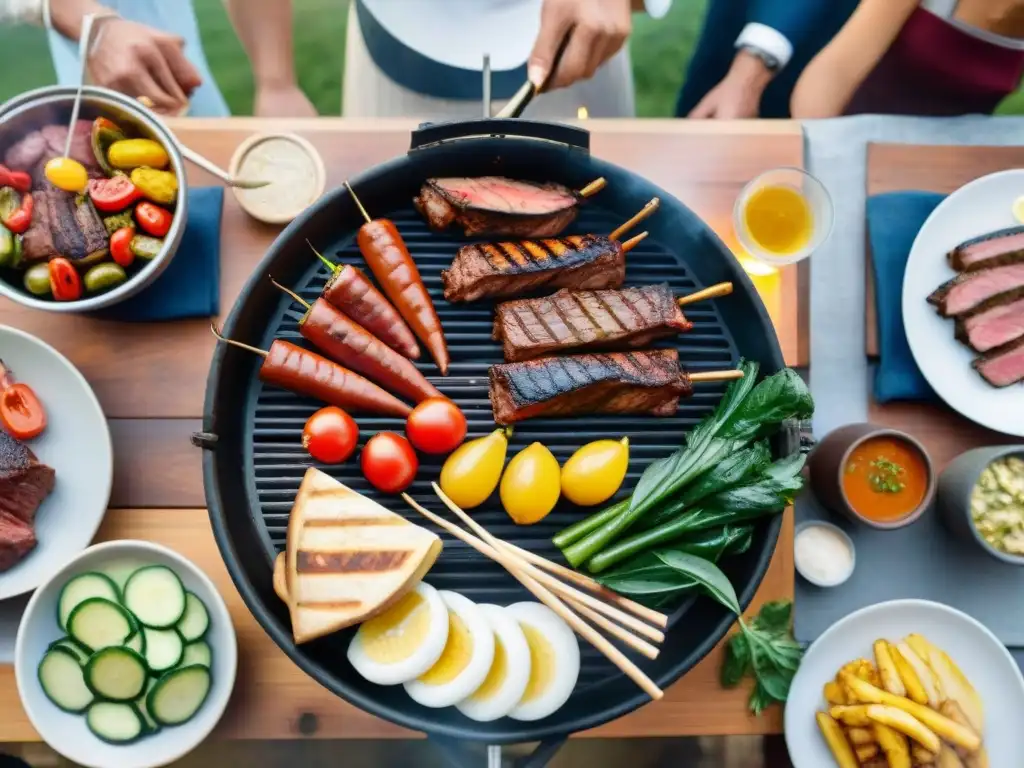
x=587, y=320
x=580, y=262
x=1003, y=366
x=17, y=539
x=24, y=481
x=994, y=326
x=65, y=224
x=1005, y=246
x=492, y=205
x=972, y=290
x=648, y=382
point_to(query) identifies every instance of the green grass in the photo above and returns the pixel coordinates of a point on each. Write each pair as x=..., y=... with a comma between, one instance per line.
x=660, y=52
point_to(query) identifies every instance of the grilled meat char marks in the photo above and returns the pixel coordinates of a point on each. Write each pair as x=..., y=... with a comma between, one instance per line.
x=586, y=320
x=648, y=382
x=969, y=291
x=1002, y=366
x=24, y=484
x=994, y=326
x=64, y=224
x=1005, y=246
x=580, y=262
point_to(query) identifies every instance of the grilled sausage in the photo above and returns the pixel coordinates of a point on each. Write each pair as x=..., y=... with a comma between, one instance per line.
x=351, y=291
x=350, y=344
x=395, y=270
x=306, y=373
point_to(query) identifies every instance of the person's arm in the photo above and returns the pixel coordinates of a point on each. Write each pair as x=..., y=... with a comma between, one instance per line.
x=833, y=76
x=265, y=29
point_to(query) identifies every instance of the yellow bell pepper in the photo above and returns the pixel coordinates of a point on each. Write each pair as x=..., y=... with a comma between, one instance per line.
x=132, y=153
x=470, y=475
x=530, y=486
x=158, y=186
x=594, y=473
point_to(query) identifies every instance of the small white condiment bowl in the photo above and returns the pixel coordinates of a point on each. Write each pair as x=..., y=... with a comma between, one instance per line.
x=285, y=215
x=843, y=537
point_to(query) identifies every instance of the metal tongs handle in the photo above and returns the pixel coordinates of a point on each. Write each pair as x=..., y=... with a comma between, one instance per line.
x=528, y=90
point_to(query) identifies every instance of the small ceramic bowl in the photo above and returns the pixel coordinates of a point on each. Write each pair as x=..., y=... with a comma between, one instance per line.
x=956, y=483
x=292, y=165
x=799, y=564
x=828, y=458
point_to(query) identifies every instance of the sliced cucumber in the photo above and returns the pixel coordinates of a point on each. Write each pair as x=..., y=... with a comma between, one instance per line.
x=164, y=648
x=115, y=722
x=152, y=726
x=196, y=653
x=120, y=570
x=97, y=623
x=178, y=695
x=63, y=680
x=80, y=589
x=156, y=596
x=196, y=621
x=117, y=674
x=71, y=647
x=137, y=642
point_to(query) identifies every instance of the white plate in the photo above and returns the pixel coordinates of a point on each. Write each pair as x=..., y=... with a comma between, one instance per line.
x=982, y=206
x=76, y=443
x=983, y=659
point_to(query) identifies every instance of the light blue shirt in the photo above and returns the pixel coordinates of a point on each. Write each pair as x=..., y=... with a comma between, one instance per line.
x=176, y=17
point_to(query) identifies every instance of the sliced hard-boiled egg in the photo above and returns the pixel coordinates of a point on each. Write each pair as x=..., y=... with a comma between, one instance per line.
x=466, y=658
x=554, y=660
x=404, y=641
x=510, y=671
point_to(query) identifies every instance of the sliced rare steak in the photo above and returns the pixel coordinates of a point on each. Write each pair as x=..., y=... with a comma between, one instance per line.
x=1003, y=366
x=1005, y=246
x=992, y=327
x=17, y=539
x=496, y=206
x=24, y=481
x=969, y=291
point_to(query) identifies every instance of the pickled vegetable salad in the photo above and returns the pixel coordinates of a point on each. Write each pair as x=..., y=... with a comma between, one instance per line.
x=997, y=505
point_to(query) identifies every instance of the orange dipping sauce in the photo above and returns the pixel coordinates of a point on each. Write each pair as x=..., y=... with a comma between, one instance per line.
x=885, y=479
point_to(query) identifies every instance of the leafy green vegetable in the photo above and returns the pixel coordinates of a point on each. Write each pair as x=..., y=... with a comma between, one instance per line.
x=705, y=573
x=737, y=661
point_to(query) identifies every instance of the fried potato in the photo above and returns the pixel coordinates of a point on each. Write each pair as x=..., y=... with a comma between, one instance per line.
x=854, y=715
x=834, y=693
x=894, y=745
x=836, y=740
x=952, y=710
x=887, y=671
x=915, y=690
x=866, y=752
x=904, y=723
x=858, y=736
x=921, y=755
x=978, y=759
x=948, y=758
x=954, y=684
x=951, y=731
x=924, y=675
x=878, y=762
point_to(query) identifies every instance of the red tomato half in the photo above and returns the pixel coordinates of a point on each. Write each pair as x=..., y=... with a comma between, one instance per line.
x=153, y=219
x=21, y=412
x=113, y=194
x=330, y=435
x=389, y=462
x=65, y=281
x=121, y=246
x=436, y=426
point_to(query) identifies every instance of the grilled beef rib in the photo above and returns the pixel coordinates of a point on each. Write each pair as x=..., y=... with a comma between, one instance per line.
x=64, y=224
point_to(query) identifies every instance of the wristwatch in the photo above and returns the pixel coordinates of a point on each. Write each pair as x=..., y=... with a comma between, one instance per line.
x=771, y=63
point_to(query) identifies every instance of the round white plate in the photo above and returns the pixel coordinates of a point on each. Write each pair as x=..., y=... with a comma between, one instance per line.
x=983, y=659
x=76, y=443
x=982, y=206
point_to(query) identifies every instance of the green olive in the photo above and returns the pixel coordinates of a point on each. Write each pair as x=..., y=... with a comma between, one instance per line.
x=37, y=280
x=104, y=276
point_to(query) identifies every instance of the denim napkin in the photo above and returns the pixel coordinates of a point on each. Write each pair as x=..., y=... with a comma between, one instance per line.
x=894, y=220
x=190, y=286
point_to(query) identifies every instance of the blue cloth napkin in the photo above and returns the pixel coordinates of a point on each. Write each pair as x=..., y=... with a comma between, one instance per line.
x=894, y=219
x=190, y=286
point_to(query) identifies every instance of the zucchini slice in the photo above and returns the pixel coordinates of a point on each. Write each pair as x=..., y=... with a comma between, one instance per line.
x=63, y=680
x=152, y=726
x=178, y=695
x=97, y=623
x=156, y=596
x=71, y=647
x=196, y=653
x=196, y=621
x=137, y=642
x=164, y=648
x=115, y=722
x=116, y=674
x=80, y=589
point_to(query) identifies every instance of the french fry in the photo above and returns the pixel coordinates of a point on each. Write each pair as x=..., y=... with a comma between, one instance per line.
x=858, y=736
x=906, y=724
x=853, y=715
x=952, y=710
x=834, y=694
x=894, y=745
x=887, y=671
x=866, y=752
x=836, y=740
x=915, y=688
x=953, y=732
x=978, y=759
x=921, y=755
x=954, y=683
x=948, y=758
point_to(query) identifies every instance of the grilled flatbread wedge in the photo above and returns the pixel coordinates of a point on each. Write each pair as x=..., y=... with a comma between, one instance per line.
x=347, y=558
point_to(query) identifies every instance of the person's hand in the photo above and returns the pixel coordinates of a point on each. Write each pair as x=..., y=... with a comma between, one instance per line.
x=599, y=28
x=739, y=94
x=283, y=101
x=141, y=61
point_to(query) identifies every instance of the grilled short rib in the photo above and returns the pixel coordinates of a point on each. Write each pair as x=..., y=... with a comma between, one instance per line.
x=24, y=481
x=997, y=324
x=969, y=291
x=648, y=382
x=17, y=539
x=1002, y=366
x=503, y=270
x=575, y=321
x=1004, y=246
x=496, y=206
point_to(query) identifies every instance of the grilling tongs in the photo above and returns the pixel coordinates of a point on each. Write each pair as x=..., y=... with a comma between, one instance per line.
x=527, y=91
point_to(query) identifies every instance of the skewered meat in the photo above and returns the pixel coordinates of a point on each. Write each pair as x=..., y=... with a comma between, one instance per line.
x=65, y=224
x=1003, y=366
x=580, y=262
x=492, y=205
x=1005, y=246
x=971, y=290
x=649, y=382
x=17, y=539
x=992, y=327
x=585, y=320
x=24, y=481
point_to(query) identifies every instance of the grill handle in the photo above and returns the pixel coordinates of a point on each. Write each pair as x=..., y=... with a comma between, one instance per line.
x=461, y=755
x=431, y=134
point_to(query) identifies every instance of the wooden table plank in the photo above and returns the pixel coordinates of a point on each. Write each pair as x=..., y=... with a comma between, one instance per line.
x=155, y=465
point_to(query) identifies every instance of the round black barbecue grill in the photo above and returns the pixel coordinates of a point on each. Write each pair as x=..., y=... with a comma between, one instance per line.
x=254, y=461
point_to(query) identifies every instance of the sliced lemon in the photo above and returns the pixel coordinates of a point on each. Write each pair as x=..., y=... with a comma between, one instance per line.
x=1018, y=209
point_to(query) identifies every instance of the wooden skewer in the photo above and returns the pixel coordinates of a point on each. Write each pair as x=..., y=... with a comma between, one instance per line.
x=583, y=629
x=642, y=214
x=593, y=187
x=613, y=629
x=240, y=345
x=291, y=293
x=633, y=242
x=711, y=292
x=716, y=375
x=358, y=202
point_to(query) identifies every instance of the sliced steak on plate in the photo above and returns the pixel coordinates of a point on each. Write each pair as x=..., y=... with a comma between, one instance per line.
x=1003, y=366
x=971, y=290
x=992, y=327
x=17, y=539
x=24, y=481
x=1005, y=246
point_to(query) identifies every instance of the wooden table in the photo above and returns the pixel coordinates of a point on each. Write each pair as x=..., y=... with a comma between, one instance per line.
x=150, y=379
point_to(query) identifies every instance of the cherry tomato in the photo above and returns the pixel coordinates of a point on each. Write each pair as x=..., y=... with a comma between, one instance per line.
x=436, y=426
x=114, y=194
x=21, y=412
x=389, y=462
x=153, y=219
x=330, y=435
x=19, y=180
x=121, y=246
x=21, y=219
x=65, y=281
x=66, y=173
